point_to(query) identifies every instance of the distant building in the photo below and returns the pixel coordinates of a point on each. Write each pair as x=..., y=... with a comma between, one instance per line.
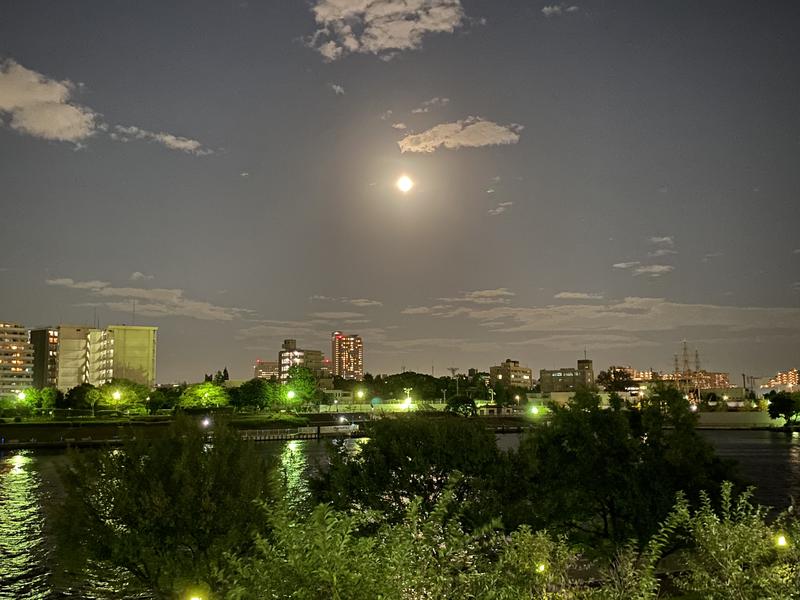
x=122, y=352
x=701, y=380
x=16, y=359
x=785, y=379
x=292, y=356
x=567, y=379
x=266, y=369
x=59, y=356
x=511, y=374
x=67, y=355
x=347, y=356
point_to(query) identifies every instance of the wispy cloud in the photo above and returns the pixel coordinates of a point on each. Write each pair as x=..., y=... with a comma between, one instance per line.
x=653, y=270
x=139, y=276
x=711, y=255
x=154, y=302
x=578, y=296
x=122, y=133
x=495, y=296
x=337, y=89
x=336, y=315
x=45, y=108
x=626, y=265
x=399, y=126
x=556, y=10
x=500, y=208
x=426, y=106
x=666, y=240
x=472, y=132
x=380, y=27
x=360, y=302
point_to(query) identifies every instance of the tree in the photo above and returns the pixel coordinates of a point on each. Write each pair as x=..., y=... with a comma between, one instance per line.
x=50, y=398
x=169, y=511
x=254, y=394
x=301, y=385
x=609, y=475
x=120, y=393
x=203, y=395
x=461, y=405
x=614, y=380
x=82, y=397
x=413, y=456
x=784, y=404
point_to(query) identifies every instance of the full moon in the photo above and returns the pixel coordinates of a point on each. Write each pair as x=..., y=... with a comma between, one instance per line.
x=404, y=184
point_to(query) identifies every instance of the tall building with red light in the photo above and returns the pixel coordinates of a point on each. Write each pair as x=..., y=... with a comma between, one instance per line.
x=347, y=356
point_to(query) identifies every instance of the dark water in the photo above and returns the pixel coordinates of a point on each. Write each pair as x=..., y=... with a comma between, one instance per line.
x=29, y=485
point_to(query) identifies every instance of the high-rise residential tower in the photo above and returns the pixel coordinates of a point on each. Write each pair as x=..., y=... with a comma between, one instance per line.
x=16, y=359
x=347, y=356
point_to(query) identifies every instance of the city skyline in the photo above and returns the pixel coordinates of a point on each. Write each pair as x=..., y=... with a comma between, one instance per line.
x=613, y=177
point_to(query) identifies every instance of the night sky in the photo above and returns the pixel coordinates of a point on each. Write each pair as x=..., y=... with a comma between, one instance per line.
x=614, y=176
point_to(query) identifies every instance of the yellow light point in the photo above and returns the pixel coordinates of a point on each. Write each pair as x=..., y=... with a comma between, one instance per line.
x=541, y=568
x=290, y=394
x=781, y=541
x=116, y=395
x=404, y=184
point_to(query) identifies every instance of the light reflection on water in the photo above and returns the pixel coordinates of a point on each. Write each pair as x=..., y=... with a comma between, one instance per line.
x=23, y=547
x=28, y=482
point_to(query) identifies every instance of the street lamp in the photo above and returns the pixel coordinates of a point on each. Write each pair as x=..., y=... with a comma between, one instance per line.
x=291, y=394
x=21, y=396
x=116, y=395
x=360, y=394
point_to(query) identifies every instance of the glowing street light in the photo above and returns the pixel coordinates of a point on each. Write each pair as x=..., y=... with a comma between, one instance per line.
x=116, y=395
x=206, y=422
x=360, y=394
x=291, y=394
x=541, y=567
x=781, y=541
x=534, y=410
x=21, y=396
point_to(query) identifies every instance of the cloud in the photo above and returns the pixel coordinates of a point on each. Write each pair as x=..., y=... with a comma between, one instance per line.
x=796, y=251
x=139, y=276
x=556, y=10
x=122, y=133
x=386, y=114
x=495, y=296
x=399, y=126
x=244, y=174
x=429, y=104
x=653, y=270
x=626, y=265
x=380, y=27
x=500, y=208
x=155, y=302
x=658, y=252
x=711, y=255
x=666, y=240
x=43, y=108
x=336, y=316
x=472, y=132
x=578, y=296
x=575, y=342
x=360, y=302
x=337, y=89
x=634, y=314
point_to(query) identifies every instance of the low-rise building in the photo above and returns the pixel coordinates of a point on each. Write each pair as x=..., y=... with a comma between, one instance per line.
x=567, y=379
x=266, y=369
x=511, y=374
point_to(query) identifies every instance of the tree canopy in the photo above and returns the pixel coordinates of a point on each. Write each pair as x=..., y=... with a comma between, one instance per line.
x=166, y=510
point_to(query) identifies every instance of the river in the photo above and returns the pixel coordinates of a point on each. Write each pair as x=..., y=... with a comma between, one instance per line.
x=29, y=483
